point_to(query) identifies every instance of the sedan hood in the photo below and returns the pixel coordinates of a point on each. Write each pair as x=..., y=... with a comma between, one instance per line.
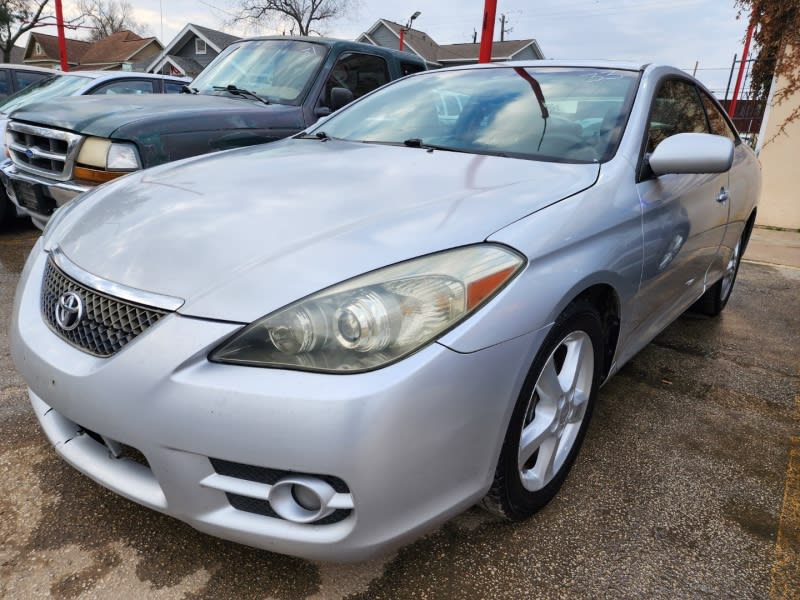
x=122, y=116
x=241, y=233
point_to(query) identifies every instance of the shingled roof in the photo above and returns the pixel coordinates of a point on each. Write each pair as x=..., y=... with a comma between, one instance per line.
x=49, y=45
x=118, y=47
x=421, y=44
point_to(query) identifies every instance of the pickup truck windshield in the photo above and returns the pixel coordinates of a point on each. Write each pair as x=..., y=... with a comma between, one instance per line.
x=544, y=113
x=278, y=70
x=56, y=86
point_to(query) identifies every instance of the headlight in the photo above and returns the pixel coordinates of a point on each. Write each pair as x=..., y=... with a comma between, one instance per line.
x=105, y=154
x=378, y=318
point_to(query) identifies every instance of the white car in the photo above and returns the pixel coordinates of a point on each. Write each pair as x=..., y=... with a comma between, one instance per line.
x=327, y=345
x=54, y=85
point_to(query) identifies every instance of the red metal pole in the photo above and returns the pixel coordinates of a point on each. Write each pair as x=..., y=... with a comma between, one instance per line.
x=402, y=37
x=62, y=41
x=487, y=31
x=742, y=65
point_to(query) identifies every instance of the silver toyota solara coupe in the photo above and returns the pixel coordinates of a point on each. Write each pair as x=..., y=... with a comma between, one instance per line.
x=328, y=345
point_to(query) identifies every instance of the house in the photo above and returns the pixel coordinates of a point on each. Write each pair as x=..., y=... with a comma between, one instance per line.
x=190, y=51
x=117, y=52
x=387, y=34
x=120, y=51
x=17, y=54
x=779, y=205
x=42, y=51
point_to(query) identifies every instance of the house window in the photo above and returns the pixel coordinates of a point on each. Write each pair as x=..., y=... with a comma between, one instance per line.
x=199, y=46
x=37, y=49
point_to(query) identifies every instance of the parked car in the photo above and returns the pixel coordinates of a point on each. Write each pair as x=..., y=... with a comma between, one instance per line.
x=79, y=83
x=256, y=91
x=17, y=77
x=328, y=345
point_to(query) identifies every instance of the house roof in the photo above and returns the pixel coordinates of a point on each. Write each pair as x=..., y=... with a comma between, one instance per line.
x=116, y=48
x=421, y=44
x=500, y=50
x=217, y=40
x=49, y=44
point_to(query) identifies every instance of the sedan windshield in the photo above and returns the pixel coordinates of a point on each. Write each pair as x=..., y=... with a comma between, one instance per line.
x=56, y=86
x=546, y=113
x=274, y=70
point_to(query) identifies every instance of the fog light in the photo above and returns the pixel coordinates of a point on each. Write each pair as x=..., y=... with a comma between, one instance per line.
x=302, y=499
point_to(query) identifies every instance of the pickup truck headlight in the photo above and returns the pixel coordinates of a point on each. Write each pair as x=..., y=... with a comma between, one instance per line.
x=105, y=154
x=375, y=319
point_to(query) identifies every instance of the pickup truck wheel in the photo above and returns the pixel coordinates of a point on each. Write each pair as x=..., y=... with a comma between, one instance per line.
x=550, y=417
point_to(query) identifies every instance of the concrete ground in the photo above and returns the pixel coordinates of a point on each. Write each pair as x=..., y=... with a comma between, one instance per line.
x=688, y=486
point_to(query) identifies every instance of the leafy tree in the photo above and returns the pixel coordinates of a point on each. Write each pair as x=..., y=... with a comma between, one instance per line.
x=299, y=15
x=777, y=38
x=18, y=17
x=107, y=17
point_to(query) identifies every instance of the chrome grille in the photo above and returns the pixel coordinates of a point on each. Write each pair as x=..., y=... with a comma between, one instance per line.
x=41, y=150
x=108, y=324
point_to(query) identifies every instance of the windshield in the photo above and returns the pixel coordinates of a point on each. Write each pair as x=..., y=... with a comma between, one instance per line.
x=278, y=70
x=547, y=113
x=56, y=86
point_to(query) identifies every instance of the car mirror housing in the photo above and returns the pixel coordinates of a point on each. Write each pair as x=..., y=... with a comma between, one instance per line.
x=692, y=153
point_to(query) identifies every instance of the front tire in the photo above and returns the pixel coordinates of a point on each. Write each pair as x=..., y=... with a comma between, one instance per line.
x=551, y=415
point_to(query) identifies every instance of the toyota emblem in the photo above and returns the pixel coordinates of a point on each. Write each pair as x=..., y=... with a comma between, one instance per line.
x=69, y=311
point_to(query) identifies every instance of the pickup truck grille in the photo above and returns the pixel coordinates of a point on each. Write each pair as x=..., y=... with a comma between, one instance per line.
x=41, y=150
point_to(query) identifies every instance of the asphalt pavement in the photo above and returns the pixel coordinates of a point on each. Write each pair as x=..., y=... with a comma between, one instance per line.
x=688, y=486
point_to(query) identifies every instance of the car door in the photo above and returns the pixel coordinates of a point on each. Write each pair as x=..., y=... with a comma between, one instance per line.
x=684, y=216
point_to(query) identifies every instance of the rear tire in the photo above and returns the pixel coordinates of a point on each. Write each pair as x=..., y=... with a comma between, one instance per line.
x=715, y=298
x=551, y=415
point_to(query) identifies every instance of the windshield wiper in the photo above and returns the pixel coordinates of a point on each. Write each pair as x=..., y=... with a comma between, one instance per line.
x=418, y=143
x=319, y=135
x=237, y=91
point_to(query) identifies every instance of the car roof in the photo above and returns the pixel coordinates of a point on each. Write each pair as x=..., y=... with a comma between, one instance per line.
x=22, y=67
x=337, y=42
x=591, y=64
x=122, y=75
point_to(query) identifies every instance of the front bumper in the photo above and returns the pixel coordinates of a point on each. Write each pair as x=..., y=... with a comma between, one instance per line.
x=415, y=442
x=35, y=195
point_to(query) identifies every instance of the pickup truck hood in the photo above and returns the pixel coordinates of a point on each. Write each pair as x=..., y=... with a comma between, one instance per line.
x=241, y=233
x=130, y=116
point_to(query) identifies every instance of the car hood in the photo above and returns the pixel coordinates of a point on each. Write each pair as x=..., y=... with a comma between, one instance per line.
x=241, y=233
x=122, y=115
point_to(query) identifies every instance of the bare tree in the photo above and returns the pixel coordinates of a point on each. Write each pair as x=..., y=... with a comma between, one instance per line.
x=300, y=15
x=107, y=17
x=18, y=17
x=777, y=40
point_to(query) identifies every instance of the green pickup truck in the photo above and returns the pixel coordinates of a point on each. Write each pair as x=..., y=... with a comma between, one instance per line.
x=257, y=90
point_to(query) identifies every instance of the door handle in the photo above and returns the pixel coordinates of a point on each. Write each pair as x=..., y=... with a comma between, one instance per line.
x=723, y=195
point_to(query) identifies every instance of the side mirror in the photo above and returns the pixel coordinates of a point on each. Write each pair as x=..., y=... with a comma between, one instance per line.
x=340, y=97
x=692, y=153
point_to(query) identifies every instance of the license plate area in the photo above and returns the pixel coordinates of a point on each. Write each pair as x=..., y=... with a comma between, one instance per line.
x=31, y=197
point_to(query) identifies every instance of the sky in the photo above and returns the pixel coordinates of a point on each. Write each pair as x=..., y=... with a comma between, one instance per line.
x=683, y=33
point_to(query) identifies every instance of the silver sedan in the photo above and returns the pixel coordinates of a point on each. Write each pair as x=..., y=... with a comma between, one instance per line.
x=328, y=345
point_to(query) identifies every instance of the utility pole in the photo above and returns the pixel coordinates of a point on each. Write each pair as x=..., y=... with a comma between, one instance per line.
x=474, y=36
x=503, y=30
